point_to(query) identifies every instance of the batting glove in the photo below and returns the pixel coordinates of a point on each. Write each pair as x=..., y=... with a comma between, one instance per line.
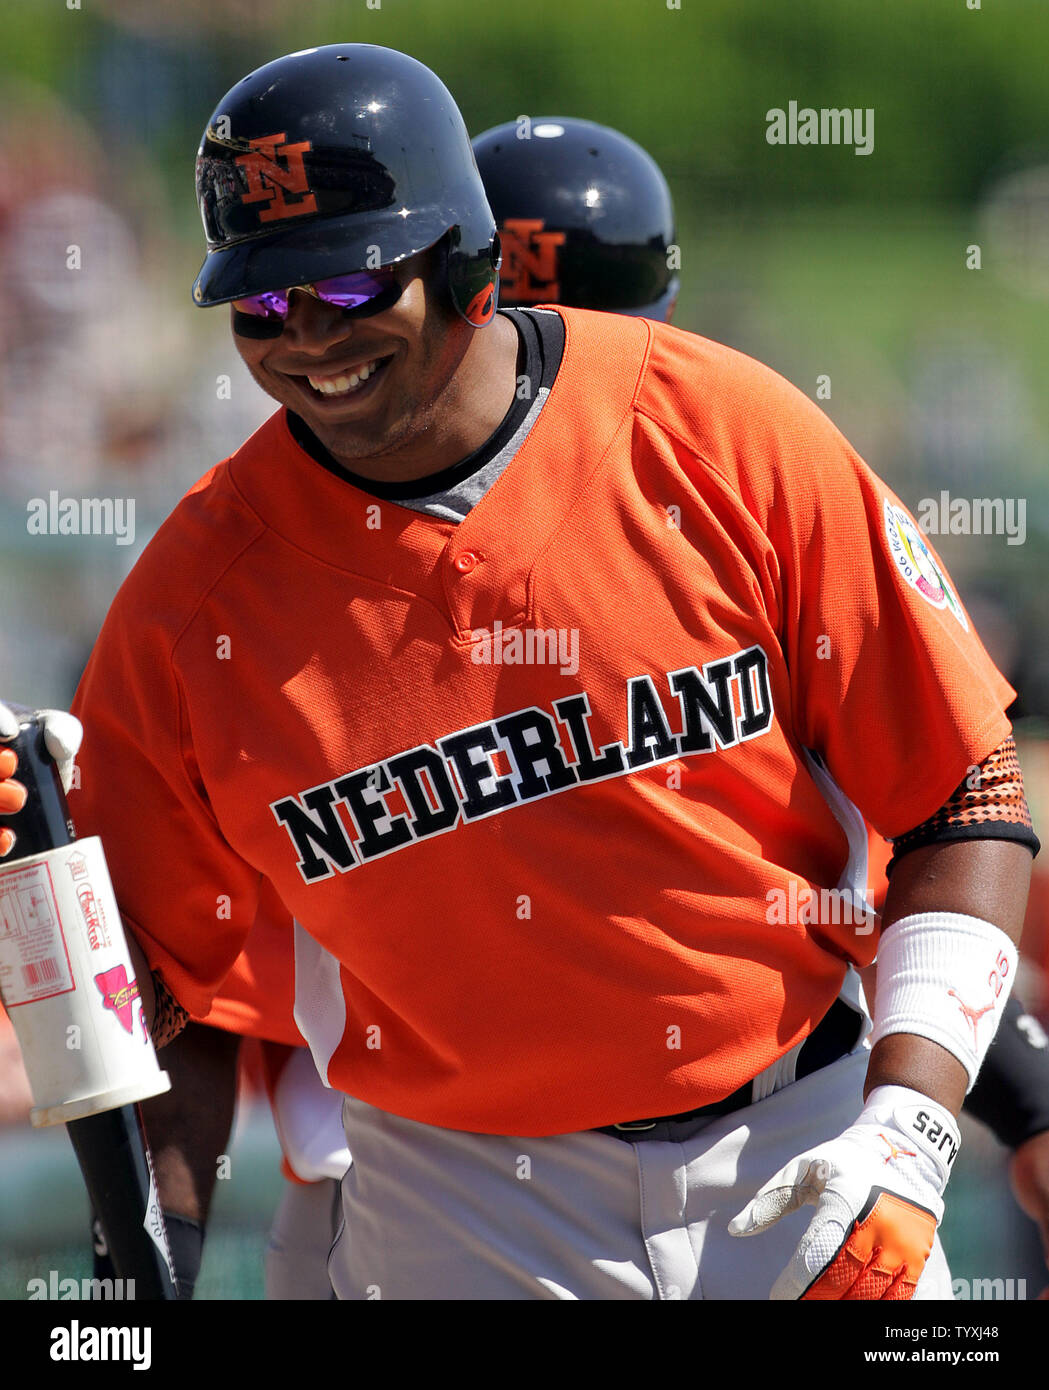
x=878, y=1194
x=62, y=735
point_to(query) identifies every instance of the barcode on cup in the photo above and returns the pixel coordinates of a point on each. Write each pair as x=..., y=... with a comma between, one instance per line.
x=41, y=972
x=34, y=959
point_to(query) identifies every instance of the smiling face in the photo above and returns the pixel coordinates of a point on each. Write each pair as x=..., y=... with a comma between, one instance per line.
x=381, y=393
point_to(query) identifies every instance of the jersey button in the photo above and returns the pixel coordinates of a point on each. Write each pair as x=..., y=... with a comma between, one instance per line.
x=467, y=561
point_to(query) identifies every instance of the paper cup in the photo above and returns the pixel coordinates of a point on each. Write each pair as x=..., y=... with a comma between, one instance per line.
x=67, y=983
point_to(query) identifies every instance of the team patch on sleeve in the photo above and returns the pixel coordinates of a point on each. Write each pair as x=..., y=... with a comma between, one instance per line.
x=917, y=565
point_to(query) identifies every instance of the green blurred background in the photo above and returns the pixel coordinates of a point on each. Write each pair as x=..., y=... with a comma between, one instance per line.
x=815, y=259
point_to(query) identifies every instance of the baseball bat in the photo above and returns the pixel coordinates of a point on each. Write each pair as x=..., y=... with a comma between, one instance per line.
x=110, y=1145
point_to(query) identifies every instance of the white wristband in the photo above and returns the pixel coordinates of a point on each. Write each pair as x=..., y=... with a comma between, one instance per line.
x=946, y=977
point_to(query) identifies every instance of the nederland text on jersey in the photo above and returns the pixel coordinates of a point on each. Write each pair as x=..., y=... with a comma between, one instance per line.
x=455, y=780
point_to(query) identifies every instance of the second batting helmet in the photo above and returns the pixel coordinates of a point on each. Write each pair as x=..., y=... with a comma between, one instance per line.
x=584, y=214
x=338, y=159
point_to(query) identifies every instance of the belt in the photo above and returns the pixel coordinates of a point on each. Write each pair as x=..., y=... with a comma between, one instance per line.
x=834, y=1036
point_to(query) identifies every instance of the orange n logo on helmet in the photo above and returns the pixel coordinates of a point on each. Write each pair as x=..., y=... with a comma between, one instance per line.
x=529, y=272
x=269, y=180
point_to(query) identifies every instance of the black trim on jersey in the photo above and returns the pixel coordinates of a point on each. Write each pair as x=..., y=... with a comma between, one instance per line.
x=1011, y=1095
x=988, y=830
x=541, y=344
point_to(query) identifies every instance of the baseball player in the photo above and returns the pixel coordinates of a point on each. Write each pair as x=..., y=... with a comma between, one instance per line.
x=546, y=886
x=539, y=176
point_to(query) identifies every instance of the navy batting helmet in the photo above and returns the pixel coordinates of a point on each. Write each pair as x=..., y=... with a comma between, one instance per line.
x=584, y=214
x=335, y=160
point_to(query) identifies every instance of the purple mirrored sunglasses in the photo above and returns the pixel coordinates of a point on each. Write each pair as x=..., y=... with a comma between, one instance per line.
x=364, y=291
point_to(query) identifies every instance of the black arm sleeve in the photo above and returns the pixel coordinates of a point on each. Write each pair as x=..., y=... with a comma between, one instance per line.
x=989, y=804
x=1011, y=1095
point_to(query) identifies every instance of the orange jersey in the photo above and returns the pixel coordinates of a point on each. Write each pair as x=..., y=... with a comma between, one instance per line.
x=536, y=783
x=879, y=852
x=257, y=997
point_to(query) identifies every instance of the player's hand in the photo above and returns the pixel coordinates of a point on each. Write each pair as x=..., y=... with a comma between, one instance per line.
x=1029, y=1175
x=12, y=793
x=16, y=1099
x=62, y=735
x=878, y=1194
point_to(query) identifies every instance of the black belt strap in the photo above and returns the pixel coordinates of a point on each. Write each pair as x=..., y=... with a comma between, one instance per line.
x=836, y=1034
